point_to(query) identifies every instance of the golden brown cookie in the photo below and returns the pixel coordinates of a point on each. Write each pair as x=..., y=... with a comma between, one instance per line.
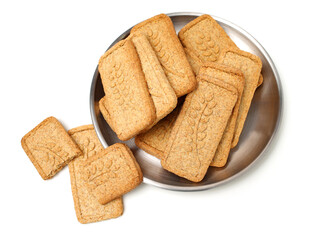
x=260, y=80
x=205, y=39
x=105, y=113
x=154, y=140
x=49, y=147
x=235, y=78
x=199, y=128
x=169, y=51
x=87, y=208
x=111, y=173
x=250, y=65
x=193, y=60
x=161, y=91
x=129, y=104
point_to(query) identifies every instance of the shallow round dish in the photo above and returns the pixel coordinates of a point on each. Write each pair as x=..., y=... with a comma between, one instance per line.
x=260, y=126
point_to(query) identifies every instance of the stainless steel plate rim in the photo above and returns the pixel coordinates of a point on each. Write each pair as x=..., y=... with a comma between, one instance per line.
x=207, y=186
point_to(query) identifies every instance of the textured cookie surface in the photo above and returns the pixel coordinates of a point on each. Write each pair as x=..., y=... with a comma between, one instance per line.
x=49, y=147
x=124, y=84
x=260, y=80
x=250, y=65
x=161, y=91
x=87, y=208
x=112, y=172
x=205, y=39
x=105, y=113
x=169, y=51
x=235, y=78
x=154, y=140
x=199, y=128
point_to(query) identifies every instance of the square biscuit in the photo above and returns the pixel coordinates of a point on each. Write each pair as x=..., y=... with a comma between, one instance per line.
x=250, y=65
x=87, y=208
x=161, y=91
x=199, y=128
x=235, y=78
x=111, y=173
x=49, y=147
x=161, y=34
x=154, y=140
x=128, y=95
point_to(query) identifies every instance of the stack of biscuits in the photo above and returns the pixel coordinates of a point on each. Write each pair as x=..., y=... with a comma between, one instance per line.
x=99, y=177
x=145, y=76
x=184, y=98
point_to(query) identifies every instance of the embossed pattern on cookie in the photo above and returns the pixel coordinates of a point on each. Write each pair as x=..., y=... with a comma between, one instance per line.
x=161, y=91
x=162, y=36
x=49, y=147
x=124, y=84
x=111, y=173
x=199, y=128
x=87, y=208
x=250, y=65
x=205, y=38
x=235, y=78
x=154, y=140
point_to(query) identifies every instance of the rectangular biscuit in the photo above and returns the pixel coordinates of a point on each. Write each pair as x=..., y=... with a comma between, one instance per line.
x=235, y=78
x=87, y=208
x=250, y=65
x=205, y=38
x=161, y=91
x=111, y=173
x=169, y=51
x=129, y=104
x=199, y=128
x=154, y=140
x=49, y=147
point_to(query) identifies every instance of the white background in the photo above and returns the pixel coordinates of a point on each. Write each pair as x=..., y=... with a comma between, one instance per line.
x=48, y=53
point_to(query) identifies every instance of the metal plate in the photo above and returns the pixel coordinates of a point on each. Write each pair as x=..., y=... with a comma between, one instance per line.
x=260, y=126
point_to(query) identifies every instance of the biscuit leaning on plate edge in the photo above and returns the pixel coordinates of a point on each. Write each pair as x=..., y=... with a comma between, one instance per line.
x=204, y=40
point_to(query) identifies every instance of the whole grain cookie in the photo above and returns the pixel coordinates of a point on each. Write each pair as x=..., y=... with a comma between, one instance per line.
x=205, y=38
x=87, y=208
x=250, y=65
x=199, y=128
x=129, y=104
x=154, y=140
x=260, y=80
x=111, y=173
x=161, y=91
x=49, y=147
x=105, y=113
x=193, y=60
x=169, y=51
x=235, y=78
